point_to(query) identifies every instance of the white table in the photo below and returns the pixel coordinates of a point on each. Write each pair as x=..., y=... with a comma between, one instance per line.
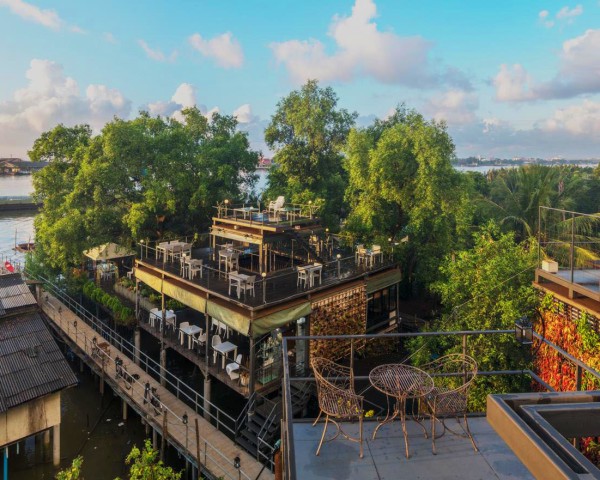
x=246, y=211
x=310, y=270
x=190, y=331
x=176, y=247
x=224, y=348
x=239, y=279
x=156, y=314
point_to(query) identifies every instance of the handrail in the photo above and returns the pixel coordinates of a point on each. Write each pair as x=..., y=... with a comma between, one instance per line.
x=182, y=389
x=88, y=349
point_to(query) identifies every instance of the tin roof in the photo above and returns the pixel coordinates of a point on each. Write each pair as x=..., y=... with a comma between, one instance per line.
x=31, y=364
x=14, y=294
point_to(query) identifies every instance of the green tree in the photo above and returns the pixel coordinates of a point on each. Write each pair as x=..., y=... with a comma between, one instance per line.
x=402, y=184
x=487, y=287
x=143, y=178
x=307, y=133
x=144, y=465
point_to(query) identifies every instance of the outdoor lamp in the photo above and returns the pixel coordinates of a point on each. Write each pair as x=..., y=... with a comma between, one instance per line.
x=237, y=462
x=226, y=201
x=277, y=335
x=524, y=331
x=184, y=419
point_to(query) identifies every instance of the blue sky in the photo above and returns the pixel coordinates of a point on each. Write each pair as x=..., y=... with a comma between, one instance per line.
x=510, y=78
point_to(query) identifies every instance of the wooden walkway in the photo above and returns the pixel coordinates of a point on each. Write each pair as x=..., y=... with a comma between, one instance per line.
x=216, y=450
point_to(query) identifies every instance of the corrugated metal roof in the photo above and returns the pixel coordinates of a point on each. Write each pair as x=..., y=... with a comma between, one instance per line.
x=31, y=364
x=14, y=293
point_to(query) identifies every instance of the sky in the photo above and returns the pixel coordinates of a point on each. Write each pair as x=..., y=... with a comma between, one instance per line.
x=511, y=79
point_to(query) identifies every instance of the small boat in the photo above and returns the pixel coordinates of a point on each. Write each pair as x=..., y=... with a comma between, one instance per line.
x=8, y=266
x=25, y=247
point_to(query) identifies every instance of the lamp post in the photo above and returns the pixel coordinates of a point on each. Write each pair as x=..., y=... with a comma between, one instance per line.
x=264, y=277
x=237, y=464
x=338, y=256
x=226, y=204
x=142, y=249
x=390, y=242
x=524, y=331
x=184, y=419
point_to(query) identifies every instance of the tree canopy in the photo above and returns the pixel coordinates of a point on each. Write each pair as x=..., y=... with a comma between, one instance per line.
x=308, y=132
x=402, y=184
x=143, y=178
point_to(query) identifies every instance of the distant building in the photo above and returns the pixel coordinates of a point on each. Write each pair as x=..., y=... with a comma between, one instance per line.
x=33, y=370
x=265, y=163
x=16, y=166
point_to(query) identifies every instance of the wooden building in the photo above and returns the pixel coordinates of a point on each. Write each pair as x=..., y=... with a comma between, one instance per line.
x=266, y=273
x=33, y=370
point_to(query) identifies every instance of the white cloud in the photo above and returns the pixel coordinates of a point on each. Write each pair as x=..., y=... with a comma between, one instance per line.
x=569, y=13
x=454, y=106
x=582, y=119
x=579, y=73
x=513, y=84
x=157, y=54
x=565, y=14
x=243, y=114
x=109, y=37
x=50, y=98
x=47, y=18
x=362, y=50
x=224, y=49
x=184, y=97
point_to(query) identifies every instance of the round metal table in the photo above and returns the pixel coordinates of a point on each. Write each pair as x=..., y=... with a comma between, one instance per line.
x=400, y=382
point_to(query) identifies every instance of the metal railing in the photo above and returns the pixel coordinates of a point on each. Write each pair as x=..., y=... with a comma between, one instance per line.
x=220, y=419
x=274, y=288
x=286, y=214
x=90, y=347
x=287, y=434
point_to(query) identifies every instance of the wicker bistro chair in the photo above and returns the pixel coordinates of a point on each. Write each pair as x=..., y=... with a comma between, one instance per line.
x=453, y=375
x=337, y=399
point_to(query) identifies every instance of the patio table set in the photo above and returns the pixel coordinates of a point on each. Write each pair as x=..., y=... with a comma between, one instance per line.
x=439, y=389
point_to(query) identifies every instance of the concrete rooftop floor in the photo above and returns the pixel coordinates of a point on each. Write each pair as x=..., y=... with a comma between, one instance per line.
x=384, y=457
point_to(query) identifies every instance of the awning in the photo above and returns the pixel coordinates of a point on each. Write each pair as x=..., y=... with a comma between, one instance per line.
x=383, y=280
x=263, y=325
x=171, y=289
x=241, y=323
x=108, y=251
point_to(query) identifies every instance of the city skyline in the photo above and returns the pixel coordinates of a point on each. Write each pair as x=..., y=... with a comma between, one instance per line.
x=512, y=79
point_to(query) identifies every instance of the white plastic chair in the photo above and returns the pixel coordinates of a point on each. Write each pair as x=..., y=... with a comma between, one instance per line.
x=249, y=284
x=316, y=273
x=216, y=340
x=302, y=276
x=275, y=206
x=233, y=368
x=181, y=334
x=195, y=268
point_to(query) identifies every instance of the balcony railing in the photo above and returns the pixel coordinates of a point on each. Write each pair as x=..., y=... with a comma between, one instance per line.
x=261, y=215
x=357, y=342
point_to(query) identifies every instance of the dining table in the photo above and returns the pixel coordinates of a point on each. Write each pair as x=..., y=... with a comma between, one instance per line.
x=245, y=211
x=400, y=382
x=223, y=349
x=190, y=331
x=238, y=280
x=310, y=270
x=176, y=247
x=157, y=314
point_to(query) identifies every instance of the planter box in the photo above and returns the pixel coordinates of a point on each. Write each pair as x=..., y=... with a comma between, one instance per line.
x=129, y=295
x=550, y=266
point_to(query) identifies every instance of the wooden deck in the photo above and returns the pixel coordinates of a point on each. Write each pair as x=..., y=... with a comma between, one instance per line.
x=216, y=450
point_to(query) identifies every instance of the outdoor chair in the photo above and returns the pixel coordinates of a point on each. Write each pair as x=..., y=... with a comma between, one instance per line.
x=183, y=271
x=161, y=248
x=302, y=276
x=453, y=375
x=195, y=268
x=249, y=284
x=359, y=248
x=233, y=368
x=276, y=206
x=215, y=340
x=361, y=255
x=337, y=399
x=200, y=340
x=316, y=273
x=233, y=262
x=181, y=334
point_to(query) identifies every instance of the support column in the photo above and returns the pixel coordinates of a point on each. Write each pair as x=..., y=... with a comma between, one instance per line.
x=5, y=455
x=146, y=428
x=101, y=385
x=137, y=341
x=163, y=365
x=252, y=379
x=124, y=409
x=56, y=445
x=46, y=438
x=137, y=300
x=80, y=365
x=154, y=439
x=207, y=397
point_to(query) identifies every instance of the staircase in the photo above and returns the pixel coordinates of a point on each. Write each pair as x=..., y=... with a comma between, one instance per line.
x=259, y=423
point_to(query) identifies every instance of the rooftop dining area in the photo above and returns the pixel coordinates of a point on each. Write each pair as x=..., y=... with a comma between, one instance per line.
x=379, y=415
